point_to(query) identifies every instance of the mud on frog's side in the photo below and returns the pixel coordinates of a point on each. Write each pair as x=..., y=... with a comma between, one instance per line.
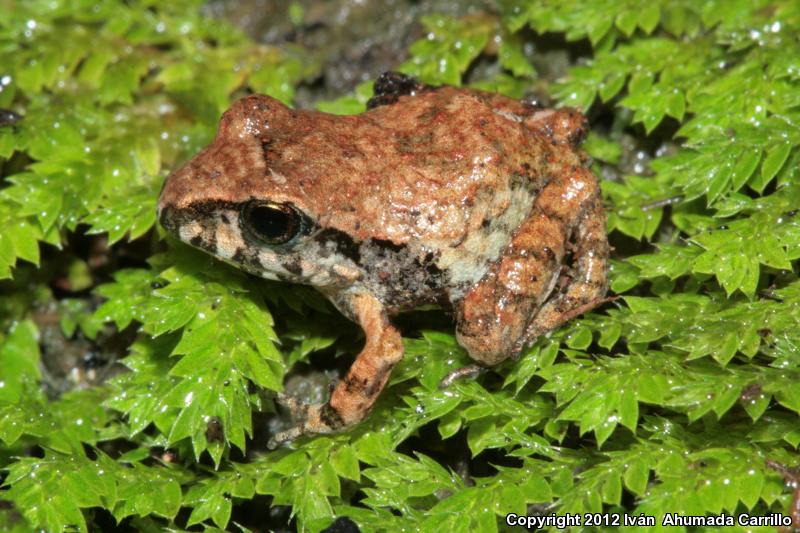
x=434, y=195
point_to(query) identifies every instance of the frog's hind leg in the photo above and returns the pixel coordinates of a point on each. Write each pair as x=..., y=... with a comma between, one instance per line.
x=588, y=279
x=498, y=317
x=353, y=397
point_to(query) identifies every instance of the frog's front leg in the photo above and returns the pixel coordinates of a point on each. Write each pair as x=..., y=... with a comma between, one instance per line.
x=354, y=396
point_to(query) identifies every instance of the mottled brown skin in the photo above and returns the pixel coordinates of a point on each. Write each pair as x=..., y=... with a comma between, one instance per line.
x=434, y=195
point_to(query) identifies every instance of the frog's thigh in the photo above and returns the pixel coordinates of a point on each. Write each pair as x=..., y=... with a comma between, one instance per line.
x=494, y=315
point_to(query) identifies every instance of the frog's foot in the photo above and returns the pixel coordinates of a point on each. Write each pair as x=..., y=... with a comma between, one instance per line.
x=465, y=372
x=310, y=418
x=555, y=319
x=290, y=403
x=587, y=286
x=354, y=396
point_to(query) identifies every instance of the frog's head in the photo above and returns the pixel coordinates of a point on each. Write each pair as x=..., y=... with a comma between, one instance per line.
x=228, y=202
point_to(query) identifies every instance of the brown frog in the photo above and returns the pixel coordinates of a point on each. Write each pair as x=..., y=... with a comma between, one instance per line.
x=449, y=196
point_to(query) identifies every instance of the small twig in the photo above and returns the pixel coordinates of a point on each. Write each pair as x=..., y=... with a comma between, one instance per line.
x=791, y=477
x=470, y=371
x=769, y=294
x=663, y=202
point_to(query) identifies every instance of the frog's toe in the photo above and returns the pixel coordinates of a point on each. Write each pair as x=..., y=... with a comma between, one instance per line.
x=298, y=411
x=290, y=403
x=284, y=436
x=309, y=418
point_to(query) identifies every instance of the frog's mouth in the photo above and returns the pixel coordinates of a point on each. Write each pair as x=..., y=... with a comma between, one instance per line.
x=178, y=220
x=201, y=223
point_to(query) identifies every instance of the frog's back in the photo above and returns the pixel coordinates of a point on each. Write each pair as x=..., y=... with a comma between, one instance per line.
x=433, y=167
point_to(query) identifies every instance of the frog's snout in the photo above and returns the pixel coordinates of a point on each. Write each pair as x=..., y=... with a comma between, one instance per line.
x=166, y=219
x=165, y=208
x=176, y=193
x=179, y=190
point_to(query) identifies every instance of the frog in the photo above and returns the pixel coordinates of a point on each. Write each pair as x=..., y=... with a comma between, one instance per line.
x=445, y=196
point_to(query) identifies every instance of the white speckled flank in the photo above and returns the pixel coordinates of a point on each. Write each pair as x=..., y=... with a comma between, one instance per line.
x=468, y=262
x=190, y=231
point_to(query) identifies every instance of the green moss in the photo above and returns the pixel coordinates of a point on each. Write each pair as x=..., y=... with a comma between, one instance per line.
x=675, y=398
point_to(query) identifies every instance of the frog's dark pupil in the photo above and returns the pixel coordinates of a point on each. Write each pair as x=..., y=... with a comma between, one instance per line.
x=273, y=223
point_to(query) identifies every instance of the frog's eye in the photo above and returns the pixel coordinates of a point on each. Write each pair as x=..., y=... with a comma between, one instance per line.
x=272, y=223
